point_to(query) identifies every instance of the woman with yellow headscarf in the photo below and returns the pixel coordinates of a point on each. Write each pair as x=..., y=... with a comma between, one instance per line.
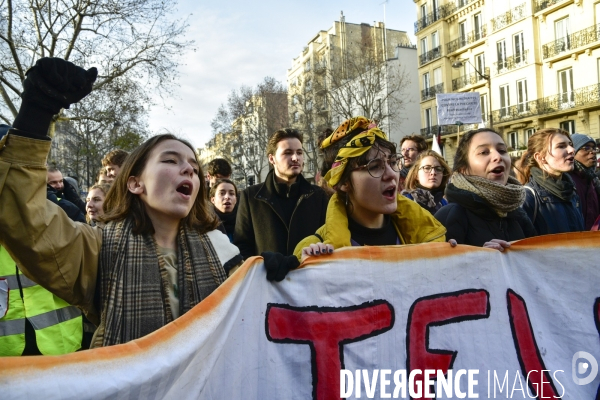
x=367, y=208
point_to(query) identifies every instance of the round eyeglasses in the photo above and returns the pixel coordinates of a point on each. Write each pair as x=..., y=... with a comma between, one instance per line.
x=376, y=166
x=428, y=168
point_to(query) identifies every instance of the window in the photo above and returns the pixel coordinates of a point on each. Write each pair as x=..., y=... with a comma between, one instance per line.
x=435, y=40
x=522, y=104
x=501, y=52
x=309, y=146
x=437, y=76
x=483, y=102
x=426, y=82
x=424, y=13
x=295, y=99
x=307, y=66
x=504, y=100
x=424, y=45
x=434, y=6
x=480, y=63
x=309, y=85
x=251, y=180
x=529, y=133
x=311, y=166
x=565, y=88
x=561, y=34
x=568, y=126
x=518, y=50
x=513, y=140
x=309, y=105
x=296, y=116
x=250, y=108
x=477, y=29
x=428, y=119
x=462, y=33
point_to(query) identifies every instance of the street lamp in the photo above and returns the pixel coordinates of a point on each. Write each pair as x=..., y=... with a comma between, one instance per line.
x=488, y=78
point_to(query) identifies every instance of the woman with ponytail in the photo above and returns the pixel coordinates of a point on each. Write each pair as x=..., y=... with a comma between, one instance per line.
x=484, y=200
x=551, y=200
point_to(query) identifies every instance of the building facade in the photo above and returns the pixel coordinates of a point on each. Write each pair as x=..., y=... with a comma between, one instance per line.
x=331, y=60
x=535, y=63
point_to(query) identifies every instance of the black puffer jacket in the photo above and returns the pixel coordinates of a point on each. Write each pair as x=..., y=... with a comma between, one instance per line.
x=469, y=219
x=262, y=225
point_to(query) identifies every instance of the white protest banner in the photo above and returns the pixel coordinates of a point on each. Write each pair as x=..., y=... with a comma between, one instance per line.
x=453, y=108
x=370, y=322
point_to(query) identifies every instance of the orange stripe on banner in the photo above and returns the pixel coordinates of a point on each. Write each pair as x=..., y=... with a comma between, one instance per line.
x=18, y=365
x=438, y=249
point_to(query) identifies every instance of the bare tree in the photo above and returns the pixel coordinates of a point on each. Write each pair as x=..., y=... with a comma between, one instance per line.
x=249, y=118
x=133, y=44
x=367, y=86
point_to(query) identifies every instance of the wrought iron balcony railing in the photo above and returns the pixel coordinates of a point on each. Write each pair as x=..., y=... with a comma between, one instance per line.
x=472, y=37
x=430, y=92
x=539, y=5
x=430, y=55
x=512, y=62
x=588, y=95
x=509, y=17
x=572, y=41
x=435, y=15
x=446, y=129
x=433, y=130
x=469, y=79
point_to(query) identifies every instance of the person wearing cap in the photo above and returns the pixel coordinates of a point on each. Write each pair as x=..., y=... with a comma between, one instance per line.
x=587, y=183
x=366, y=208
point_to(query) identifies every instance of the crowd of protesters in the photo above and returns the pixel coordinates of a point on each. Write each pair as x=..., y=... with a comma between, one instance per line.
x=155, y=236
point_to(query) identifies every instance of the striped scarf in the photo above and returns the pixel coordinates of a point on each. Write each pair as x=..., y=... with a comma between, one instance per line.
x=134, y=285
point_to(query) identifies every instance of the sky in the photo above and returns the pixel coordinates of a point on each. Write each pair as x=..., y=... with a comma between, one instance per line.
x=240, y=42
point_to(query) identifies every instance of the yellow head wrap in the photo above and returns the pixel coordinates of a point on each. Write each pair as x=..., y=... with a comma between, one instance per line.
x=360, y=144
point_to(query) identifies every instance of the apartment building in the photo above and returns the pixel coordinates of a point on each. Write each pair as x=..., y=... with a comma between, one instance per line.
x=331, y=59
x=535, y=63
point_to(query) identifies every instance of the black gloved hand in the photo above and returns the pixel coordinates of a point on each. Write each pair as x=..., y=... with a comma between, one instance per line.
x=279, y=265
x=53, y=83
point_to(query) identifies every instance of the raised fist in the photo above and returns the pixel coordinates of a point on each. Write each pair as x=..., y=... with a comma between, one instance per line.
x=53, y=83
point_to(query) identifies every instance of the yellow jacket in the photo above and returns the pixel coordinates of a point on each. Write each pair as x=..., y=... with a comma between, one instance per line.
x=413, y=224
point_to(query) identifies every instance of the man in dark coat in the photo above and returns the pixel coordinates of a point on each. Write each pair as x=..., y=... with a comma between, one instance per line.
x=277, y=214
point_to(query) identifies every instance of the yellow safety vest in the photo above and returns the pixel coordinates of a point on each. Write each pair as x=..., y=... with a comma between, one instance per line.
x=58, y=326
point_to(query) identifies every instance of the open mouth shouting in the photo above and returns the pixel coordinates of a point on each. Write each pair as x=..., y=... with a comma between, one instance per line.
x=390, y=192
x=185, y=188
x=498, y=172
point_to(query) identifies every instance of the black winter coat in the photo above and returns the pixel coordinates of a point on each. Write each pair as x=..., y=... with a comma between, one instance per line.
x=261, y=226
x=469, y=219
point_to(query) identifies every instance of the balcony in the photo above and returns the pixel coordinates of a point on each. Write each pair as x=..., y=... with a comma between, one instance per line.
x=509, y=17
x=435, y=15
x=430, y=55
x=511, y=63
x=430, y=92
x=586, y=96
x=320, y=67
x=539, y=5
x=573, y=41
x=433, y=130
x=469, y=79
x=472, y=37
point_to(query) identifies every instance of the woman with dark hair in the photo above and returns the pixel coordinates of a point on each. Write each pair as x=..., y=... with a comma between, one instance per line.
x=551, y=200
x=427, y=181
x=366, y=208
x=158, y=254
x=484, y=200
x=223, y=196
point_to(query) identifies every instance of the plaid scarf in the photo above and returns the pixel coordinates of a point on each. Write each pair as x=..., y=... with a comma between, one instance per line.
x=133, y=280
